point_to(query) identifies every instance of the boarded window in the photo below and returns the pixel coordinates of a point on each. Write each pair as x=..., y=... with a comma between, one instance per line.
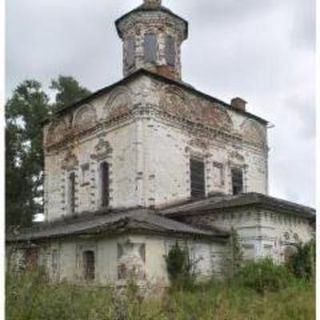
x=237, y=181
x=131, y=51
x=105, y=181
x=197, y=176
x=89, y=265
x=170, y=51
x=72, y=191
x=150, y=48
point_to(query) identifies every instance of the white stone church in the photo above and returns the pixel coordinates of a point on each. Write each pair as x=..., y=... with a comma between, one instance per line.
x=149, y=161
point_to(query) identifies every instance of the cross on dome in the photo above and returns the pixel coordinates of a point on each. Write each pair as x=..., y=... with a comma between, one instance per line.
x=152, y=3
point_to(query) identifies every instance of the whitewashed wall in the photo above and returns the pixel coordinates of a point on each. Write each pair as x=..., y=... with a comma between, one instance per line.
x=262, y=233
x=148, y=131
x=63, y=259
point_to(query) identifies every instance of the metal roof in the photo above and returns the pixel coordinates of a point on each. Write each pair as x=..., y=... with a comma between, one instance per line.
x=144, y=72
x=144, y=8
x=220, y=202
x=143, y=220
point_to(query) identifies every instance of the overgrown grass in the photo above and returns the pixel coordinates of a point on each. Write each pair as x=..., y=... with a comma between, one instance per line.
x=31, y=297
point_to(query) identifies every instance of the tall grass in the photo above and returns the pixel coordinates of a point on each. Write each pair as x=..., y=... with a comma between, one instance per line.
x=29, y=296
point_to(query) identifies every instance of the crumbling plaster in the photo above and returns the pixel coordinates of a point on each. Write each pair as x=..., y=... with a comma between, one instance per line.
x=152, y=130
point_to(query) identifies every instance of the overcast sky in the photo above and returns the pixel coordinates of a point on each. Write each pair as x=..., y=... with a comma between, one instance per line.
x=262, y=51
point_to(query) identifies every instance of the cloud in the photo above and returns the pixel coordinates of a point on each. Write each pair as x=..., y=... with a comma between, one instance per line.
x=262, y=51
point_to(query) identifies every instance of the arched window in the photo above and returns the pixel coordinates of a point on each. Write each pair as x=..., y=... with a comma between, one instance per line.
x=150, y=48
x=105, y=181
x=289, y=252
x=170, y=51
x=89, y=265
x=71, y=192
x=131, y=51
x=197, y=178
x=237, y=181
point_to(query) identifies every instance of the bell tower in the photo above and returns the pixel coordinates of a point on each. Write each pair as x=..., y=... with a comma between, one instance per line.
x=152, y=36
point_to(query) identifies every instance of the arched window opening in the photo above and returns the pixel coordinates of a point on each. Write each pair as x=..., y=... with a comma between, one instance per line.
x=197, y=178
x=105, y=184
x=131, y=51
x=89, y=265
x=71, y=192
x=170, y=51
x=150, y=48
x=32, y=258
x=237, y=181
x=289, y=252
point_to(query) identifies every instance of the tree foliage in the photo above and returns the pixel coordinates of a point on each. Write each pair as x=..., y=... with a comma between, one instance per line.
x=25, y=112
x=180, y=267
x=302, y=262
x=68, y=91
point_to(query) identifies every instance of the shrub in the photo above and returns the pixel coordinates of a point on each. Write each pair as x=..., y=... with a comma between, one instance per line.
x=180, y=268
x=263, y=276
x=234, y=258
x=302, y=262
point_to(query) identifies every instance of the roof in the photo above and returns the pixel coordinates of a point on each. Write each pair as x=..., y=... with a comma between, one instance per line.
x=144, y=72
x=110, y=223
x=144, y=8
x=220, y=202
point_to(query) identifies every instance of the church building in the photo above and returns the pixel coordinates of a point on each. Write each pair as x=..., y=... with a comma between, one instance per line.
x=151, y=161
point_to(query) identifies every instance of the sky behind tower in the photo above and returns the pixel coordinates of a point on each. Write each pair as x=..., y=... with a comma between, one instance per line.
x=262, y=51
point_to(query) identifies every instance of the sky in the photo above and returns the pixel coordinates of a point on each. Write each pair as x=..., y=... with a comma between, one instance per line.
x=262, y=51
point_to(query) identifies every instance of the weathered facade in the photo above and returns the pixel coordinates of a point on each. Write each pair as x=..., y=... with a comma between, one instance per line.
x=150, y=161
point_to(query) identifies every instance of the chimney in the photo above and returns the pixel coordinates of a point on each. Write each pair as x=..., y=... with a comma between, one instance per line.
x=239, y=103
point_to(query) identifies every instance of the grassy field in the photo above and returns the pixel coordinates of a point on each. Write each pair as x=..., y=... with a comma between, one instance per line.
x=31, y=297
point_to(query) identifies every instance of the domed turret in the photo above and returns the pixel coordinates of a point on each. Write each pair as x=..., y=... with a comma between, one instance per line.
x=152, y=36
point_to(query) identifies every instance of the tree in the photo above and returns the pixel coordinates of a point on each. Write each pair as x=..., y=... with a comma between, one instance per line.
x=25, y=112
x=68, y=91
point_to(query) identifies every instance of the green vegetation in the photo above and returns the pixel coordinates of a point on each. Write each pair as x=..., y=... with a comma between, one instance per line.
x=264, y=276
x=25, y=112
x=180, y=269
x=302, y=262
x=257, y=296
x=234, y=260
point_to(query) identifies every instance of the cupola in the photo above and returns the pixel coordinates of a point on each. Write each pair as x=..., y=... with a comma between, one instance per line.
x=152, y=36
